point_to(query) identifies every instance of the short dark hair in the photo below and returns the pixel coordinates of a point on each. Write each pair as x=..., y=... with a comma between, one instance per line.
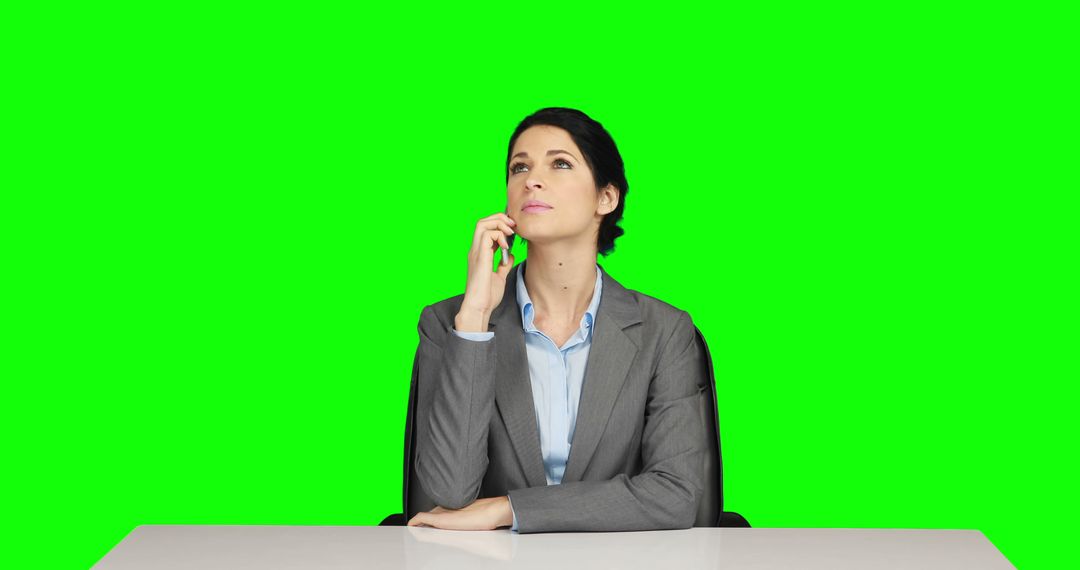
x=601, y=155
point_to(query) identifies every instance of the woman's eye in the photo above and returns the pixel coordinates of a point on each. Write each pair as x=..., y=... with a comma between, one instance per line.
x=514, y=170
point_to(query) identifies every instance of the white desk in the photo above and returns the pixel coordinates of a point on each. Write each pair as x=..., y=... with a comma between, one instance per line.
x=152, y=547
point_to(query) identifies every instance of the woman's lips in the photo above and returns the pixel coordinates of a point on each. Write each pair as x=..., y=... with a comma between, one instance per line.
x=534, y=209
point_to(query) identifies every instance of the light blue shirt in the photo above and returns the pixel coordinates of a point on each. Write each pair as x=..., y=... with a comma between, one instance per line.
x=556, y=374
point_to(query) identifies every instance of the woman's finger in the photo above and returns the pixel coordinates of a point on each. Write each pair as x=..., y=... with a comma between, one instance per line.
x=491, y=240
x=506, y=227
x=421, y=519
x=500, y=238
x=483, y=228
x=501, y=216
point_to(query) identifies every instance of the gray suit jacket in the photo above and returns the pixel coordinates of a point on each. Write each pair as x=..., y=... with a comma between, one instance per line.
x=636, y=455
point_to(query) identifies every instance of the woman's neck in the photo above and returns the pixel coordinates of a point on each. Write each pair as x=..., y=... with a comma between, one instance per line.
x=560, y=283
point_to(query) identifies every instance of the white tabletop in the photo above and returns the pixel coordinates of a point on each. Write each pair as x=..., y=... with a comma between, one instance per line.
x=152, y=547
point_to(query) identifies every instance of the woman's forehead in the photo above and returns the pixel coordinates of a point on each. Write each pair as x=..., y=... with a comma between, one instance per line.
x=551, y=141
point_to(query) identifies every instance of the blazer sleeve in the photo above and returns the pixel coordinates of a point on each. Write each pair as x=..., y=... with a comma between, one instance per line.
x=456, y=400
x=664, y=495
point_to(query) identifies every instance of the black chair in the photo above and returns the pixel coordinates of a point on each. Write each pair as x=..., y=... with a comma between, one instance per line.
x=710, y=508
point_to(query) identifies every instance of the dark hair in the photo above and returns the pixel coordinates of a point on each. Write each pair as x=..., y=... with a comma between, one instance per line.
x=600, y=153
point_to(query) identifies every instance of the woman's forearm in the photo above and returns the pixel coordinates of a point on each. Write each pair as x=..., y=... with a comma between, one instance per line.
x=457, y=399
x=471, y=321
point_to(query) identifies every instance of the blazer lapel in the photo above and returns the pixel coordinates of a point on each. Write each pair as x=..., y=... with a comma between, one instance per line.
x=513, y=389
x=615, y=343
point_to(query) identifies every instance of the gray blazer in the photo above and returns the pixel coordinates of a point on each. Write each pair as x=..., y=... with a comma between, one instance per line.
x=636, y=455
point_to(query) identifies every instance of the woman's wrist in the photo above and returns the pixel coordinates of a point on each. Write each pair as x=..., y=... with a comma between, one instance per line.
x=471, y=321
x=507, y=518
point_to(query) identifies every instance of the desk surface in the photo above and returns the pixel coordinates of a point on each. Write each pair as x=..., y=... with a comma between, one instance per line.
x=151, y=547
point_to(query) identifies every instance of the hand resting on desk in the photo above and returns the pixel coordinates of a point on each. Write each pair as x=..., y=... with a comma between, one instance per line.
x=481, y=514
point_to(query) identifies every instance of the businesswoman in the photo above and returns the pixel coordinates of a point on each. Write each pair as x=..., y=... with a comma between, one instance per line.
x=550, y=397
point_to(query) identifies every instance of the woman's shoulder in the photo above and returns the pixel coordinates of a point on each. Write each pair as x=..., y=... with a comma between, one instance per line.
x=668, y=329
x=651, y=308
x=656, y=314
x=444, y=310
x=655, y=306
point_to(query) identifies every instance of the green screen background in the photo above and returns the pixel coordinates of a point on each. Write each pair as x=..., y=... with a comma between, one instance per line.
x=221, y=225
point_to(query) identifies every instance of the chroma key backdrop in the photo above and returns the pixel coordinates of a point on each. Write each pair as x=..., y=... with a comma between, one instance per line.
x=222, y=222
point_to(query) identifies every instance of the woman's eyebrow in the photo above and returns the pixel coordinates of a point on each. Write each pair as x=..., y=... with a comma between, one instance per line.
x=549, y=153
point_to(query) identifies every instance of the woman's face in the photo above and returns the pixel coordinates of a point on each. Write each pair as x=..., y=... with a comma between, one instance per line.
x=547, y=166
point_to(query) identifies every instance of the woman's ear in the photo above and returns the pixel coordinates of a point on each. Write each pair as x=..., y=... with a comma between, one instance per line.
x=609, y=200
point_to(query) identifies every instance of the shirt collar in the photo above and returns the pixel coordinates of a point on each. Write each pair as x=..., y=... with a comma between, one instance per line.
x=526, y=303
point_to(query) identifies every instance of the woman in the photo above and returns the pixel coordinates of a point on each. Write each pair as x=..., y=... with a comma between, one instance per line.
x=502, y=439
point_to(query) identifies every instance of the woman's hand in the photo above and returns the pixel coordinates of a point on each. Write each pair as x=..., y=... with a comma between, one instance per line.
x=484, y=288
x=481, y=514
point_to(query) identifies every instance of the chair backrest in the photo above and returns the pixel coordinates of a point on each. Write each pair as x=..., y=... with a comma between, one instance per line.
x=710, y=504
x=414, y=499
